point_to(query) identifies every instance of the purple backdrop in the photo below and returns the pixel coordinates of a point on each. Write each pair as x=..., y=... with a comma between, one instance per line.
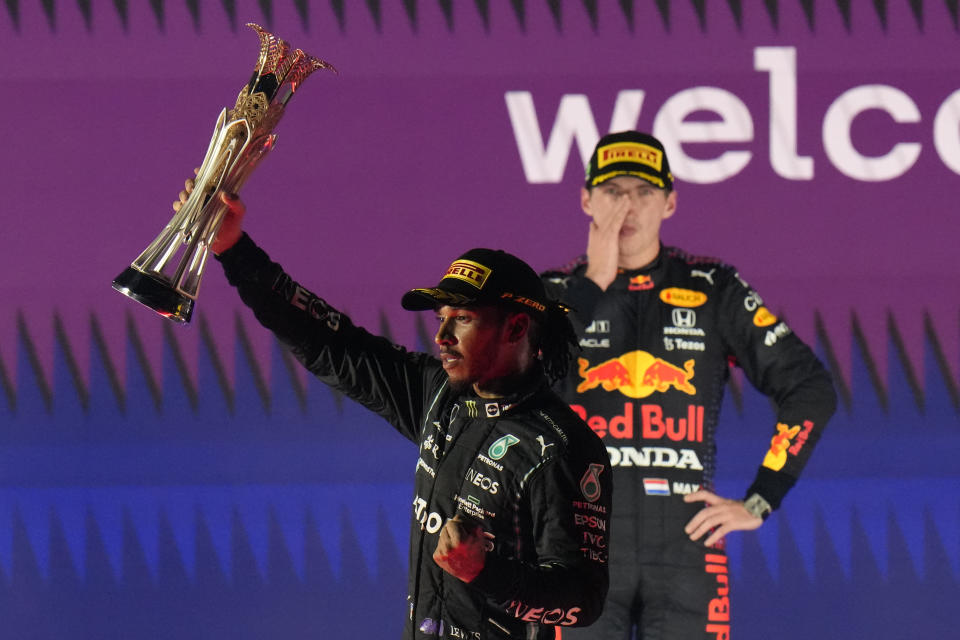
x=453, y=125
x=408, y=156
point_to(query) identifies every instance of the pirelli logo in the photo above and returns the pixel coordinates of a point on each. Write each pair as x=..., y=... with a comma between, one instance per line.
x=629, y=152
x=469, y=271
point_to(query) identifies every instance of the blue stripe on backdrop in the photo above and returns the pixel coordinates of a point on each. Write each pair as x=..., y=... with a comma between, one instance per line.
x=263, y=503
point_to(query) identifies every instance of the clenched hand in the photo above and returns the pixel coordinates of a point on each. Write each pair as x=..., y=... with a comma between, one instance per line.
x=462, y=548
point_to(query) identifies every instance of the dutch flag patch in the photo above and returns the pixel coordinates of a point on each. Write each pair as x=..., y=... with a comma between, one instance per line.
x=656, y=486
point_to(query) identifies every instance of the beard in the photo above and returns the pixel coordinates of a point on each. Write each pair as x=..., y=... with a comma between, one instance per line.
x=459, y=386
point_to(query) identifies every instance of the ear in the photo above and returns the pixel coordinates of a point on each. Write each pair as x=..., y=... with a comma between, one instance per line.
x=671, y=206
x=585, y=201
x=518, y=325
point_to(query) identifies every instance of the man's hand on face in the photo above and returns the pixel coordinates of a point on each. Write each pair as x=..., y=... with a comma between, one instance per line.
x=462, y=548
x=718, y=518
x=603, y=240
x=231, y=228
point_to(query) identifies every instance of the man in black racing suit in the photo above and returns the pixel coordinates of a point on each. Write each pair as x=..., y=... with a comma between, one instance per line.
x=659, y=329
x=512, y=490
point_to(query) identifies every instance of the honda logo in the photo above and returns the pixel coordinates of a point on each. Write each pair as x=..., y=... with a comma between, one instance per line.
x=684, y=318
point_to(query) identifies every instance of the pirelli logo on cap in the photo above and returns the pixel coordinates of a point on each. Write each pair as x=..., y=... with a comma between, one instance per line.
x=469, y=271
x=629, y=152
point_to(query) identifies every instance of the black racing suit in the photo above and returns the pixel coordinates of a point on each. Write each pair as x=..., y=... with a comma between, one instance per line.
x=525, y=467
x=656, y=348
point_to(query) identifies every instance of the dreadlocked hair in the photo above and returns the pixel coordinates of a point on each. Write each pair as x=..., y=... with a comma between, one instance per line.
x=556, y=340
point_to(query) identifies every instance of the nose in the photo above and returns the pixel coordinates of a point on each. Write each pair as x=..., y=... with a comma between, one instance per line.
x=632, y=198
x=444, y=335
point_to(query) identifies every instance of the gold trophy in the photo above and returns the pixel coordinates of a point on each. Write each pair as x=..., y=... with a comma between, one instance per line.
x=166, y=276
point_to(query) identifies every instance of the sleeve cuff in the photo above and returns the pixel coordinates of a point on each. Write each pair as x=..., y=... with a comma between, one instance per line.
x=771, y=485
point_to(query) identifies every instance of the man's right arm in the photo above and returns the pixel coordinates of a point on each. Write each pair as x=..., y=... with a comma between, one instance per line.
x=382, y=376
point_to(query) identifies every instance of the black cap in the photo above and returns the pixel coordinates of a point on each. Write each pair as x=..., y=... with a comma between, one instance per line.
x=481, y=277
x=629, y=153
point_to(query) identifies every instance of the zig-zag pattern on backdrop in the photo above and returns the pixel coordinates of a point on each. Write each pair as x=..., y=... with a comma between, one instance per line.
x=561, y=13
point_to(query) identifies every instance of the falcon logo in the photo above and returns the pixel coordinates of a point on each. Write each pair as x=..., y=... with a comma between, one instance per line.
x=683, y=297
x=499, y=448
x=590, y=482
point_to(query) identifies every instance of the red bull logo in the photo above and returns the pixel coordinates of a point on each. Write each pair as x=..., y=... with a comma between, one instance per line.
x=640, y=283
x=636, y=374
x=777, y=455
x=654, y=425
x=718, y=610
x=780, y=443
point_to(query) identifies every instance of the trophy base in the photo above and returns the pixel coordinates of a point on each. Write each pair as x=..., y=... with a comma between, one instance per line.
x=154, y=293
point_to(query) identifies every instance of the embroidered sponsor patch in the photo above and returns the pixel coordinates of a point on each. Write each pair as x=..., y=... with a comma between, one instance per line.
x=656, y=487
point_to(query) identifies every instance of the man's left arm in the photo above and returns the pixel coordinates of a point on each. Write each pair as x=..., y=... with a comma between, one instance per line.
x=569, y=503
x=780, y=365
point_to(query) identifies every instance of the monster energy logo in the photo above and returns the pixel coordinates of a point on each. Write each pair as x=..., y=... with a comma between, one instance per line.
x=499, y=448
x=471, y=408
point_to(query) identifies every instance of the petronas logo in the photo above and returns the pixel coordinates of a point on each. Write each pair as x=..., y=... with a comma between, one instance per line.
x=499, y=448
x=590, y=483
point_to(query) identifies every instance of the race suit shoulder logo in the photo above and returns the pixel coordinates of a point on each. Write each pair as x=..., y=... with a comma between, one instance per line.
x=499, y=448
x=775, y=334
x=636, y=374
x=590, y=482
x=763, y=318
x=469, y=271
x=706, y=275
x=543, y=445
x=678, y=297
